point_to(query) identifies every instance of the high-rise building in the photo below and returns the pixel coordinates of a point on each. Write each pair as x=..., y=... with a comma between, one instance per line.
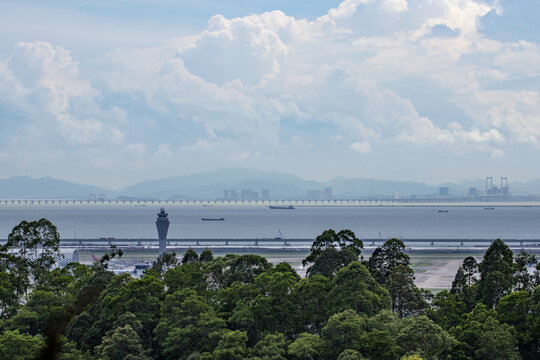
x=314, y=194
x=265, y=195
x=444, y=191
x=246, y=194
x=327, y=194
x=254, y=196
x=162, y=225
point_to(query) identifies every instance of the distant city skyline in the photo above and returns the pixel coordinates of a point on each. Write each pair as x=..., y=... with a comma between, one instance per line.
x=116, y=92
x=256, y=185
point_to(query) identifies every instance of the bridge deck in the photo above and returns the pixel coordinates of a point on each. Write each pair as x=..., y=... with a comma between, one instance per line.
x=263, y=241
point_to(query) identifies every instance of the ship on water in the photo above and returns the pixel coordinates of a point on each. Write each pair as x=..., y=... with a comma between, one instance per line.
x=213, y=219
x=275, y=207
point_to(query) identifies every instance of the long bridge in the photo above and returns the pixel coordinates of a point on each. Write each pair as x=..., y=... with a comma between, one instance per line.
x=496, y=200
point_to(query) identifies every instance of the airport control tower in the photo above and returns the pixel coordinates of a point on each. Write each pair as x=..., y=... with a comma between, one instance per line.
x=162, y=225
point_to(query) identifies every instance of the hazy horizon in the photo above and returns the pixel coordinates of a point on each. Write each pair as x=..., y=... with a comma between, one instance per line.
x=496, y=178
x=112, y=93
x=463, y=182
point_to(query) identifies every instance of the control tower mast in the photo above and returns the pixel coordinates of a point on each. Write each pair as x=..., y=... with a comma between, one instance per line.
x=162, y=225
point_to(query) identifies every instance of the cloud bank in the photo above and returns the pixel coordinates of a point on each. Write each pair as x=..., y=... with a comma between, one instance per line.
x=366, y=89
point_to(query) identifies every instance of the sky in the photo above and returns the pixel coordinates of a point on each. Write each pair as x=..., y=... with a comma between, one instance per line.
x=112, y=92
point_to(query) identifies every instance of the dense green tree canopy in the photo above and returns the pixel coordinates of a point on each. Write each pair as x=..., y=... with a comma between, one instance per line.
x=243, y=307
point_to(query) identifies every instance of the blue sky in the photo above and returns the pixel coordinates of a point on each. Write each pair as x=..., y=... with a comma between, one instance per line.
x=112, y=92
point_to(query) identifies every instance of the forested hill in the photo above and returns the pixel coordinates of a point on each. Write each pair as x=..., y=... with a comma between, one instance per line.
x=242, y=307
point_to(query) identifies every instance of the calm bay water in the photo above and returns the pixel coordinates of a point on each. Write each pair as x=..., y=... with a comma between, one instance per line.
x=262, y=222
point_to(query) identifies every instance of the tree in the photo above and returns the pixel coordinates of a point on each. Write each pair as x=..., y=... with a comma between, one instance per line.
x=10, y=287
x=271, y=347
x=285, y=267
x=42, y=309
x=385, y=258
x=523, y=279
x=189, y=275
x=206, y=256
x=466, y=275
x=122, y=343
x=513, y=309
x=406, y=297
x=474, y=333
x=345, y=330
x=531, y=338
x=306, y=347
x=422, y=336
x=141, y=297
x=16, y=346
x=187, y=324
x=497, y=343
x=355, y=288
x=70, y=352
x=215, y=273
x=496, y=273
x=331, y=251
x=232, y=346
x=29, y=253
x=310, y=299
x=190, y=256
x=464, y=284
x=246, y=268
x=446, y=309
x=164, y=262
x=382, y=332
x=470, y=269
x=67, y=281
x=350, y=355
x=272, y=308
x=88, y=321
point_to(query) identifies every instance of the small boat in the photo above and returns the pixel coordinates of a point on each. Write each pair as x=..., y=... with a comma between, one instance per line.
x=274, y=207
x=489, y=208
x=443, y=211
x=213, y=219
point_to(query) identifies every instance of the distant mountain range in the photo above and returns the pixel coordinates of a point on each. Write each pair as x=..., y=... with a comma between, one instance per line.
x=210, y=185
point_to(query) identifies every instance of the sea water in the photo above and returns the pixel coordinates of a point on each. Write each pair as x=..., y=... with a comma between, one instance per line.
x=96, y=221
